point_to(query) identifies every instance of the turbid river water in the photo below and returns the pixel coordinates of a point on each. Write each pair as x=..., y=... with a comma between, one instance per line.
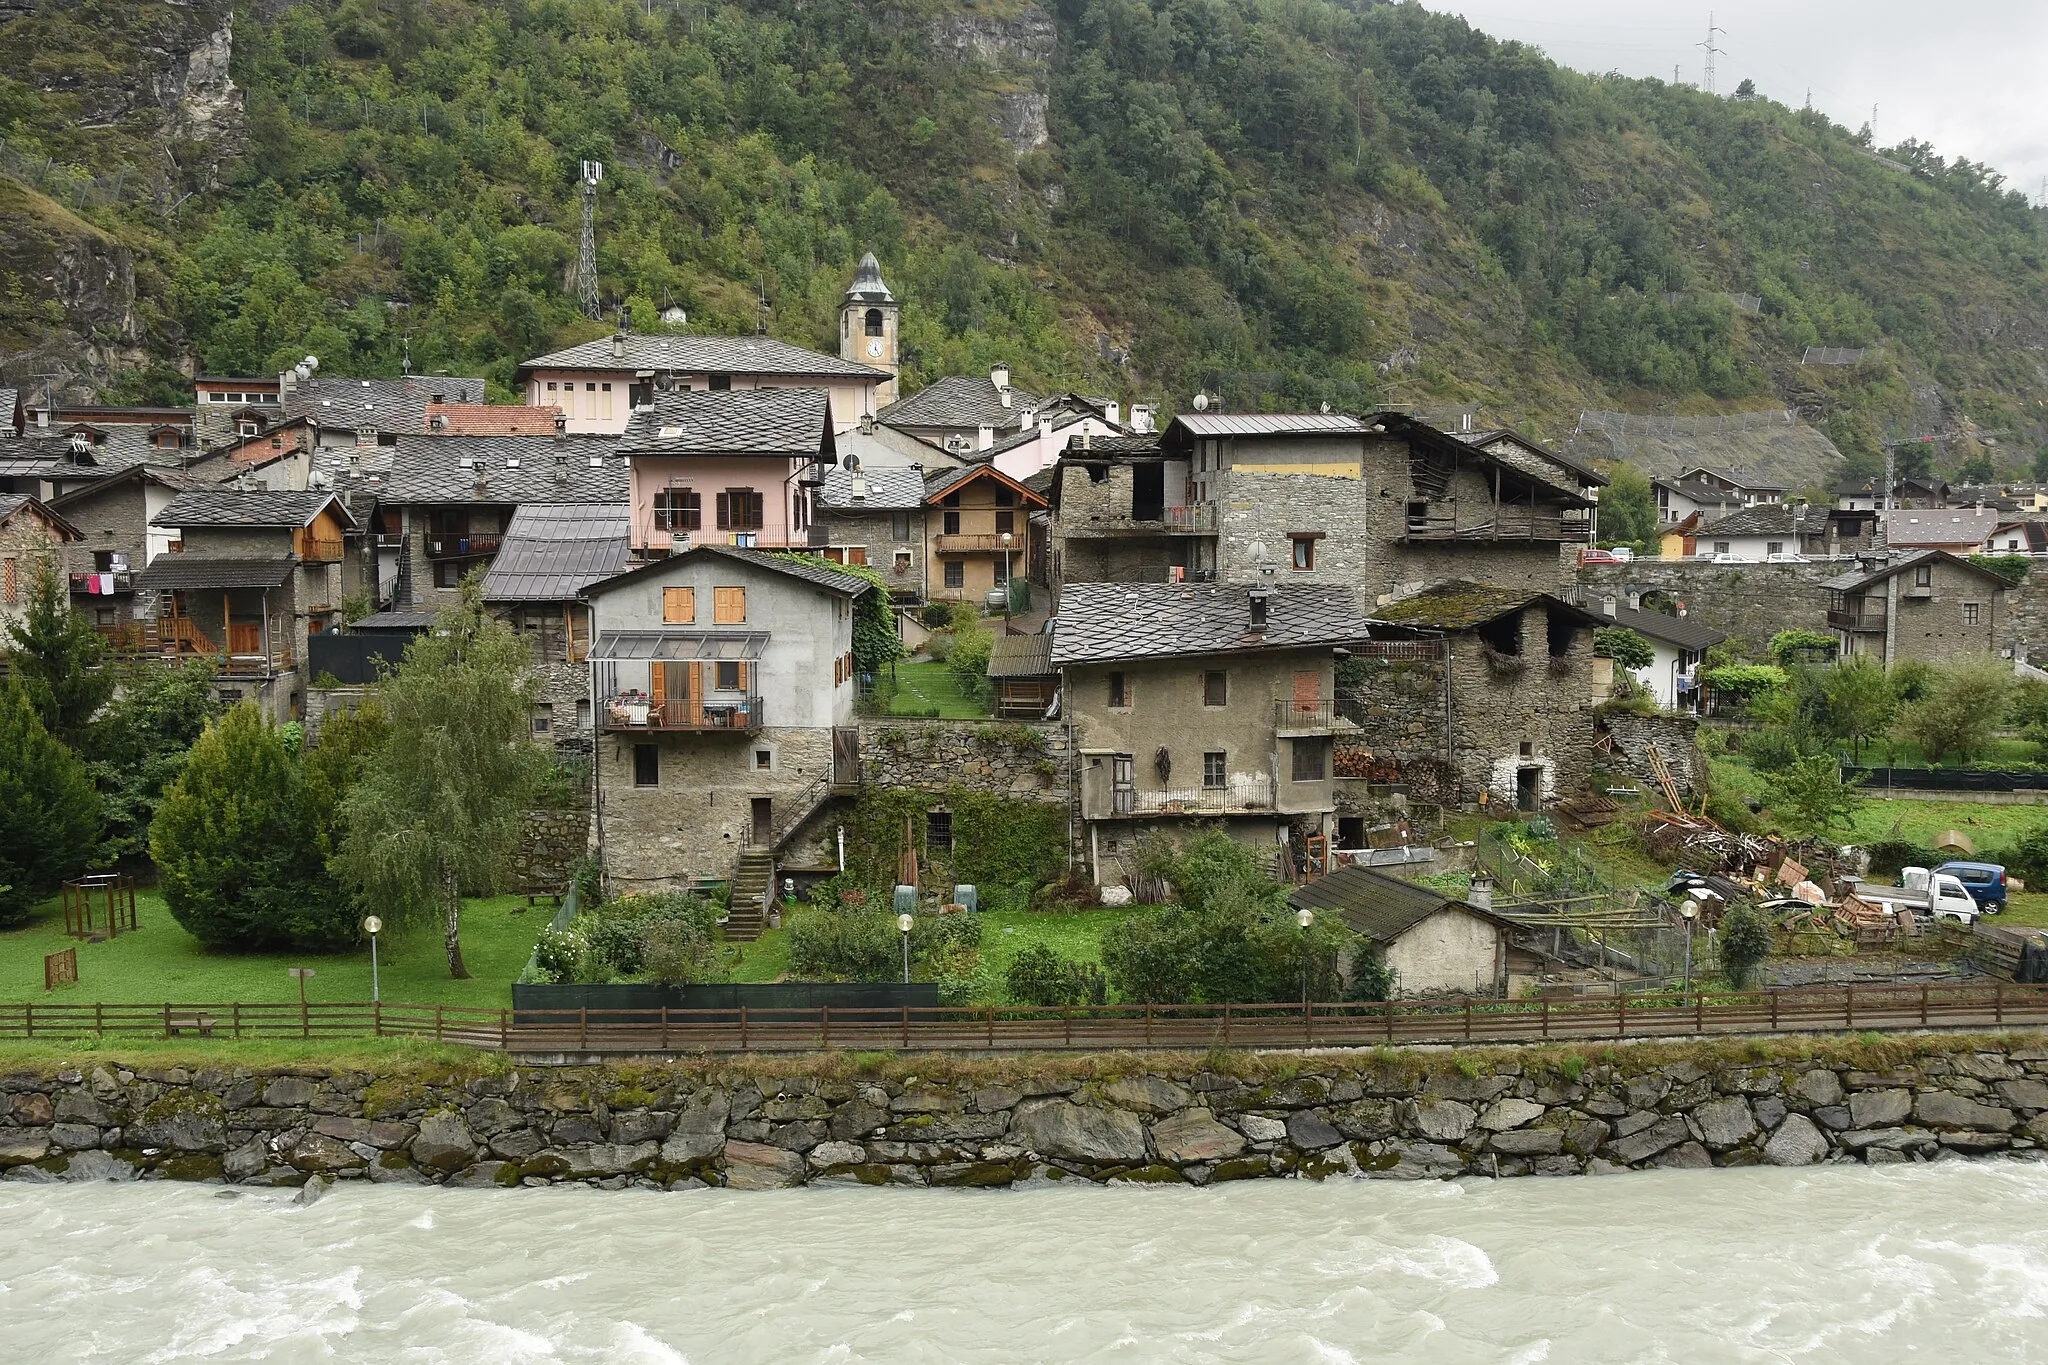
x=1946, y=1262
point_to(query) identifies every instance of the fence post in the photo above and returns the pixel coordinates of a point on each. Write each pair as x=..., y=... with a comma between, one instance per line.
x=1226, y=1025
x=377, y=1017
x=167, y=1018
x=1998, y=1001
x=1699, y=1011
x=825, y=1021
x=906, y=1026
x=1468, y=1018
x=237, y=1018
x=1620, y=1013
x=1772, y=996
x=1546, y=1016
x=664, y=1028
x=1308, y=1020
x=437, y=1022
x=1148, y=1023
x=1848, y=1008
x=99, y=1018
x=28, y=1015
x=1067, y=1018
x=504, y=1030
x=583, y=1028
x=1923, y=1004
x=1387, y=1013
x=743, y=1028
x=991, y=1011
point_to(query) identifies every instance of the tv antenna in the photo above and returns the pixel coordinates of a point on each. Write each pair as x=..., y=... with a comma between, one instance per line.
x=586, y=255
x=1711, y=50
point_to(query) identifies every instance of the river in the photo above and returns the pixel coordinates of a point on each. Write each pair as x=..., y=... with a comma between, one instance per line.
x=1834, y=1264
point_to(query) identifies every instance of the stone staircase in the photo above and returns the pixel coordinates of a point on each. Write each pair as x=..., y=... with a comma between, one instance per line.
x=751, y=881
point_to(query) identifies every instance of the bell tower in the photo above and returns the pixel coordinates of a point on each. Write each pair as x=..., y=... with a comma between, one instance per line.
x=868, y=326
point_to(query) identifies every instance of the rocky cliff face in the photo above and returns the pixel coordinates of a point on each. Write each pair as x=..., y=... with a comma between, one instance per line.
x=67, y=294
x=1016, y=52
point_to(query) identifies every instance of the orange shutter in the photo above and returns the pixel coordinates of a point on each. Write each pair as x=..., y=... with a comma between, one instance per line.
x=729, y=606
x=858, y=554
x=679, y=606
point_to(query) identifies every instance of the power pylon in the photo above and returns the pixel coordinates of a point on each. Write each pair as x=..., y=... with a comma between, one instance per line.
x=586, y=255
x=1711, y=50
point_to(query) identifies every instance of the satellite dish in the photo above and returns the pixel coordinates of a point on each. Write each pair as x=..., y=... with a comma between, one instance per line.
x=311, y=362
x=1201, y=402
x=851, y=463
x=1258, y=553
x=1326, y=408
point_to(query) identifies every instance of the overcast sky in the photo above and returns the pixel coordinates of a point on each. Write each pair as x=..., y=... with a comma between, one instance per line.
x=1964, y=75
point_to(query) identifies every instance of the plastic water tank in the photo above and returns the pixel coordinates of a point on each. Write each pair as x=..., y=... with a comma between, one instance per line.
x=966, y=895
x=906, y=900
x=1914, y=878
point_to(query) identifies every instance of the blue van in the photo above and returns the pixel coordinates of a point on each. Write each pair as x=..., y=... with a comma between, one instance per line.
x=1984, y=881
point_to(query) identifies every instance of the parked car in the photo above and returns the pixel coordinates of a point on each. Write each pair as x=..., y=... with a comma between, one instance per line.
x=1984, y=881
x=1592, y=556
x=1931, y=895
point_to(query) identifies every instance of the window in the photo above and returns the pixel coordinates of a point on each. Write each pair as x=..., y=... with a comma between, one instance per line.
x=1720, y=547
x=678, y=509
x=1923, y=576
x=938, y=829
x=1006, y=523
x=950, y=500
x=872, y=322
x=956, y=574
x=728, y=606
x=103, y=616
x=903, y=561
x=1119, y=691
x=605, y=409
x=646, y=765
x=10, y=580
x=1212, y=769
x=1000, y=571
x=899, y=526
x=551, y=386
x=764, y=759
x=739, y=509
x=1774, y=547
x=720, y=382
x=1528, y=749
x=952, y=524
x=1418, y=516
x=1005, y=497
x=679, y=606
x=729, y=676
x=448, y=573
x=1304, y=551
x=1969, y=613
x=1311, y=760
x=1216, y=689
x=543, y=718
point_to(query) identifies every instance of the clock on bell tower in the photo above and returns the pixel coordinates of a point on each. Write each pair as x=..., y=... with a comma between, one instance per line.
x=868, y=326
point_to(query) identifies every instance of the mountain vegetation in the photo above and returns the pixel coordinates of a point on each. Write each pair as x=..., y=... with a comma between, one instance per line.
x=1283, y=204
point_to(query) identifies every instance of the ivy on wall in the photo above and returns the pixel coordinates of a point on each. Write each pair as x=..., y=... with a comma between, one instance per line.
x=997, y=841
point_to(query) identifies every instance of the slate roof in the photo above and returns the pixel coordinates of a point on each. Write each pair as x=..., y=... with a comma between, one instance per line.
x=11, y=503
x=1378, y=906
x=1770, y=519
x=553, y=551
x=1141, y=446
x=960, y=400
x=394, y=620
x=1099, y=622
x=1460, y=605
x=793, y=423
x=389, y=405
x=169, y=478
x=1020, y=656
x=214, y=571
x=1858, y=579
x=223, y=506
x=490, y=419
x=1742, y=479
x=123, y=445
x=702, y=355
x=938, y=485
x=1684, y=632
x=888, y=490
x=813, y=571
x=515, y=469
x=1909, y=527
x=1505, y=435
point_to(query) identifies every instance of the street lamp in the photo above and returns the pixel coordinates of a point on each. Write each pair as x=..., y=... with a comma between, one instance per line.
x=1691, y=911
x=903, y=923
x=1008, y=591
x=373, y=927
x=1304, y=918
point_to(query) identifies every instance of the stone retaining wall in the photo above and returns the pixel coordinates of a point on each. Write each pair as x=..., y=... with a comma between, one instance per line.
x=1398, y=1116
x=1022, y=759
x=1675, y=737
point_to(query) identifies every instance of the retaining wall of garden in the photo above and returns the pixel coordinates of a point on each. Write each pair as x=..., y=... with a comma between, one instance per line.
x=1027, y=760
x=1383, y=1115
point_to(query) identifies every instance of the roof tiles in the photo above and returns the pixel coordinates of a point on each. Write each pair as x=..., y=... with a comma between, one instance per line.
x=1101, y=622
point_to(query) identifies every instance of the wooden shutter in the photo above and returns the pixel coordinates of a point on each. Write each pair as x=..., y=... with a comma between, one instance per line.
x=724, y=512
x=729, y=606
x=679, y=606
x=857, y=554
x=657, y=684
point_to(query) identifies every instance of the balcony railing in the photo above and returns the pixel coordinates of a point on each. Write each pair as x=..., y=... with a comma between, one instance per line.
x=390, y=540
x=462, y=546
x=978, y=544
x=1198, y=519
x=1844, y=619
x=1241, y=792
x=123, y=580
x=1509, y=524
x=1305, y=715
x=315, y=551
x=632, y=711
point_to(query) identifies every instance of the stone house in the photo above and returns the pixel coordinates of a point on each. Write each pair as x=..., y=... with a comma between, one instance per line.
x=250, y=576
x=225, y=407
x=722, y=687
x=29, y=532
x=1500, y=706
x=357, y=412
x=1384, y=504
x=1435, y=944
x=1122, y=512
x=550, y=553
x=1200, y=704
x=444, y=503
x=1771, y=531
x=116, y=540
x=964, y=414
x=1930, y=606
x=977, y=532
x=874, y=517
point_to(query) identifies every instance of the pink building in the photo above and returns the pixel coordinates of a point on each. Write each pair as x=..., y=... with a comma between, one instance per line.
x=727, y=467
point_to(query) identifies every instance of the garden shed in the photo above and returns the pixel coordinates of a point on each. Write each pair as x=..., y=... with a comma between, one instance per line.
x=1435, y=944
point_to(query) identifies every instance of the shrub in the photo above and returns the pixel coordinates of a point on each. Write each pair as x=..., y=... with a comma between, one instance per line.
x=1371, y=977
x=1041, y=975
x=1745, y=942
x=1628, y=649
x=556, y=953
x=1887, y=856
x=2027, y=858
x=843, y=945
x=936, y=615
x=1788, y=645
x=623, y=936
x=49, y=812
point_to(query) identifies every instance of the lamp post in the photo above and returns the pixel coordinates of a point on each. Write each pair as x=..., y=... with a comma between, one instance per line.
x=1304, y=918
x=1691, y=911
x=373, y=927
x=903, y=923
x=1008, y=591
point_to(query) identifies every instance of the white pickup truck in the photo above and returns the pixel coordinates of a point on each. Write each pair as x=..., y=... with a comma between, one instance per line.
x=1936, y=895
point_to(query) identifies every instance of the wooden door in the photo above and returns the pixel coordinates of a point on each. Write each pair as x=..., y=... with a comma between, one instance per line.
x=245, y=637
x=764, y=820
x=845, y=755
x=657, y=688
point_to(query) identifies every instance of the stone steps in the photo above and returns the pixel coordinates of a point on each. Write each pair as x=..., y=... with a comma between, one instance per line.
x=750, y=883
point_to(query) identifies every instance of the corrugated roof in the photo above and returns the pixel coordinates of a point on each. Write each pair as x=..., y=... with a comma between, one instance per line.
x=1099, y=622
x=960, y=400
x=211, y=571
x=1266, y=423
x=551, y=552
x=793, y=423
x=679, y=644
x=702, y=355
x=514, y=469
x=247, y=507
x=1020, y=656
x=888, y=489
x=813, y=571
x=1380, y=907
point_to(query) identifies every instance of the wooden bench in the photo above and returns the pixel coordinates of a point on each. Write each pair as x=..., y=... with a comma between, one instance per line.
x=201, y=1024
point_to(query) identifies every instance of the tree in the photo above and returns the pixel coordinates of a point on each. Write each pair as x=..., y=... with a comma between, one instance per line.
x=56, y=654
x=137, y=746
x=1629, y=650
x=1628, y=507
x=1809, y=796
x=437, y=808
x=230, y=840
x=1859, y=700
x=1746, y=90
x=49, y=812
x=1961, y=712
x=1745, y=942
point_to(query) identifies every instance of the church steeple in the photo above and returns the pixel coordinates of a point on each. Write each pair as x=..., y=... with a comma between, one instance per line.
x=868, y=326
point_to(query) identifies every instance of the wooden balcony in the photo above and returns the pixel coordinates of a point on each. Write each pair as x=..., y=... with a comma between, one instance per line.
x=978, y=544
x=1198, y=519
x=463, y=546
x=1509, y=524
x=630, y=712
x=317, y=550
x=1843, y=618
x=123, y=581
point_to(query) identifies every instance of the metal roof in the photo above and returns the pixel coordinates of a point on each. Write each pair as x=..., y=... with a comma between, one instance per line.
x=210, y=571
x=1378, y=906
x=1101, y=622
x=247, y=507
x=701, y=355
x=553, y=551
x=1266, y=423
x=1020, y=656
x=960, y=400
x=793, y=423
x=679, y=644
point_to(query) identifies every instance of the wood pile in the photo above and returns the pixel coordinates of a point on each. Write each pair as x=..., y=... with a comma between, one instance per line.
x=1589, y=811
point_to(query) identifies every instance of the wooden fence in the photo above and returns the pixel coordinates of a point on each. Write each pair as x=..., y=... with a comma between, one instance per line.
x=553, y=1033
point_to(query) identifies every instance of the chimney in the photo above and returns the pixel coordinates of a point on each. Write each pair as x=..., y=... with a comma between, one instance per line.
x=43, y=415
x=1045, y=429
x=860, y=487
x=1141, y=418
x=1111, y=410
x=561, y=468
x=561, y=424
x=1256, y=602
x=1607, y=605
x=986, y=436
x=618, y=345
x=1635, y=600
x=1465, y=422
x=1480, y=897
x=999, y=375
x=867, y=424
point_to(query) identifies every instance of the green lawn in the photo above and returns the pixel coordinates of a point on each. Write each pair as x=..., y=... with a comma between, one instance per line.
x=921, y=686
x=1990, y=827
x=160, y=962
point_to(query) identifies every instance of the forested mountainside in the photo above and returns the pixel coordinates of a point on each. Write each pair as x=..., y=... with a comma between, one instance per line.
x=1284, y=202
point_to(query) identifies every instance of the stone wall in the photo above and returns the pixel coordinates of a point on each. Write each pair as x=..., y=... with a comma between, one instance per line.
x=1751, y=602
x=1380, y=1115
x=1674, y=737
x=990, y=756
x=550, y=842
